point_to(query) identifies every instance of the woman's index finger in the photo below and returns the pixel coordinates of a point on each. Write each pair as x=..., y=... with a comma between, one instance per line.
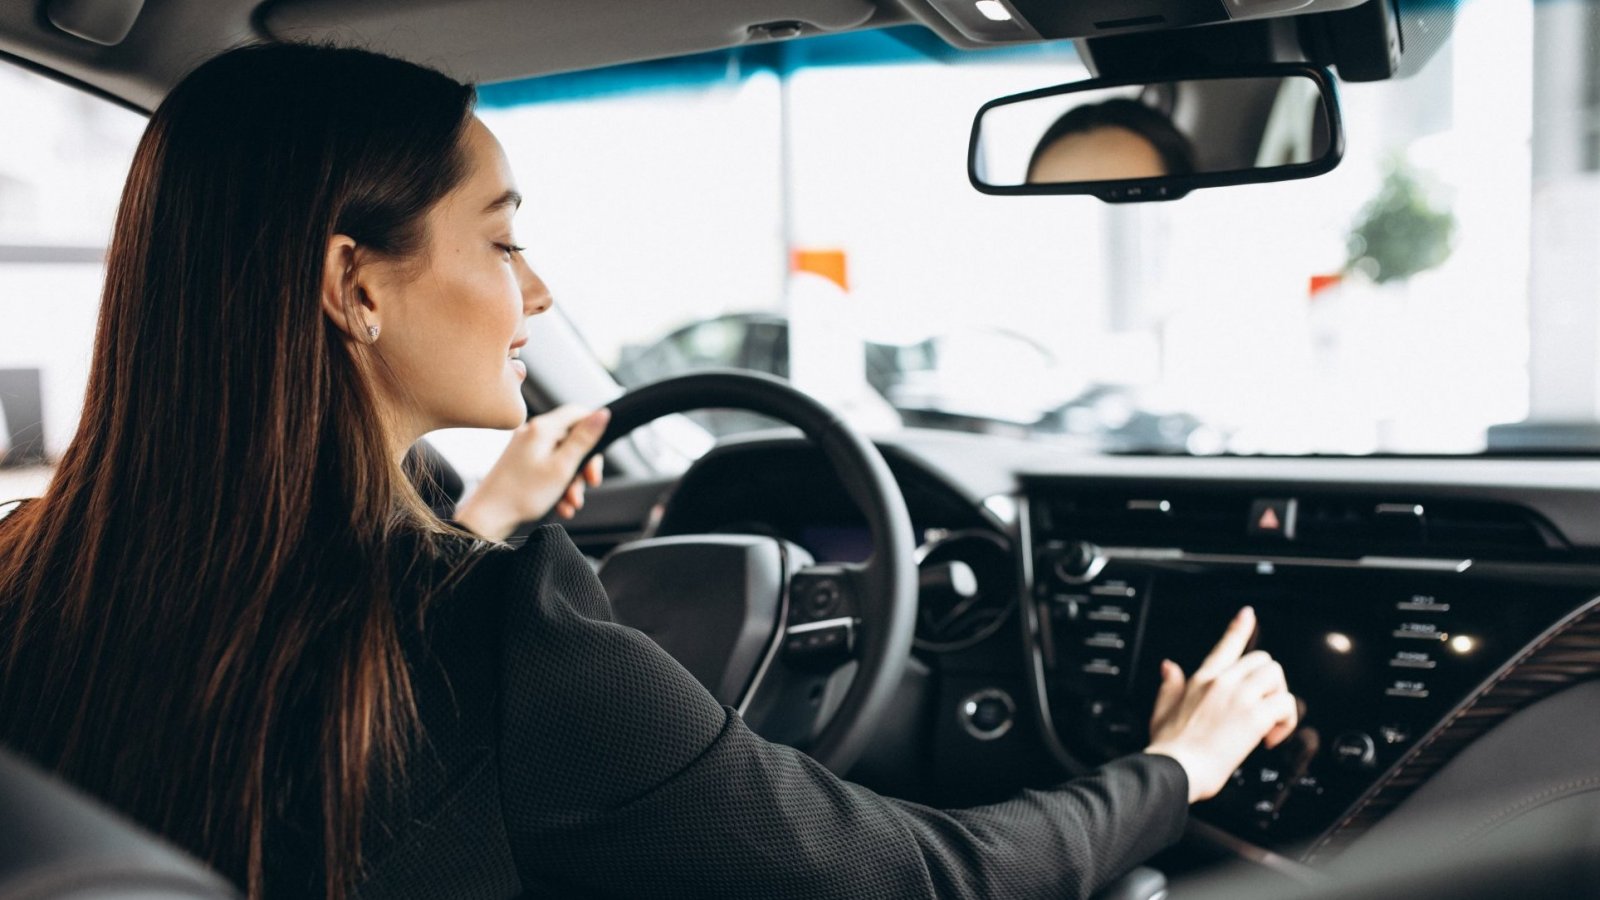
x=1233, y=644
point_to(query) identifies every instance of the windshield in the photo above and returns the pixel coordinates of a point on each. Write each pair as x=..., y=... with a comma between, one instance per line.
x=803, y=209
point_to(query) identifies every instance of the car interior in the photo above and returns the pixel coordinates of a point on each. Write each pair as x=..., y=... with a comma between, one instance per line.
x=951, y=608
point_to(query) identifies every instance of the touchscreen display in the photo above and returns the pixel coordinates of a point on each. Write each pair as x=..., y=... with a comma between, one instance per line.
x=1331, y=650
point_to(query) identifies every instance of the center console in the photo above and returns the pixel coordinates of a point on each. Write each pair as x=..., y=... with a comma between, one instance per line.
x=1385, y=616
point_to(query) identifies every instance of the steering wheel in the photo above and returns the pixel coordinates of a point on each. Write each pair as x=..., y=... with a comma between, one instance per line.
x=767, y=630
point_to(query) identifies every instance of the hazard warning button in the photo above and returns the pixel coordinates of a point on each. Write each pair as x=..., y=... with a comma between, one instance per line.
x=1273, y=518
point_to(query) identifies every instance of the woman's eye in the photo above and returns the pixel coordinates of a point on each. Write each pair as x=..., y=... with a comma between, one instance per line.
x=509, y=249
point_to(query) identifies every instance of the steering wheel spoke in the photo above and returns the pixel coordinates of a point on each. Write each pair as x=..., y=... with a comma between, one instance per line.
x=810, y=658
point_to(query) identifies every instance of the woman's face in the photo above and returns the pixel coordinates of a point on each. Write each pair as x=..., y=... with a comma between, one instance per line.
x=452, y=319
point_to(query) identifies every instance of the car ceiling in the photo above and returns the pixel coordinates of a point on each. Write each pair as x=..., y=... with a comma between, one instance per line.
x=471, y=39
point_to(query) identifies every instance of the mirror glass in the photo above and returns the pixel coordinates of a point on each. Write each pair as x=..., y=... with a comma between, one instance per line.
x=1088, y=134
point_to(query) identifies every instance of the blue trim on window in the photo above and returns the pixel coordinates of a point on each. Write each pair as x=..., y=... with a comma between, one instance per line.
x=902, y=45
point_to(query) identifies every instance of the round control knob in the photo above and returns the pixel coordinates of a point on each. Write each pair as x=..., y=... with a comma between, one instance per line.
x=987, y=714
x=1077, y=562
x=1355, y=750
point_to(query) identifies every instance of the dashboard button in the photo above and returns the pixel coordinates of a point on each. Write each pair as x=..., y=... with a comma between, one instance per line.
x=1068, y=608
x=1119, y=589
x=987, y=714
x=1102, y=667
x=1355, y=750
x=1421, y=631
x=1394, y=734
x=1424, y=603
x=1409, y=690
x=1307, y=784
x=1273, y=519
x=1110, y=613
x=1413, y=659
x=1105, y=640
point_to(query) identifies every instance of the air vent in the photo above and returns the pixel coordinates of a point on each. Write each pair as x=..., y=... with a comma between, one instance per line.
x=1390, y=525
x=1334, y=525
x=1152, y=518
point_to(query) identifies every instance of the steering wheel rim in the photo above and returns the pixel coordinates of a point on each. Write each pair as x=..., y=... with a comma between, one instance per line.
x=889, y=599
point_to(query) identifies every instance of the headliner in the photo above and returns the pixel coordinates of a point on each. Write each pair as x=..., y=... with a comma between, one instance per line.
x=491, y=40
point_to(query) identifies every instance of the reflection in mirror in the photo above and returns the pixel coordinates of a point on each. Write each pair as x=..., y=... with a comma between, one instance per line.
x=1197, y=126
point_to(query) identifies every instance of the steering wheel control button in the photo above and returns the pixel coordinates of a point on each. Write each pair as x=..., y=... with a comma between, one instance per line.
x=1355, y=750
x=826, y=643
x=1274, y=519
x=822, y=598
x=1118, y=589
x=987, y=714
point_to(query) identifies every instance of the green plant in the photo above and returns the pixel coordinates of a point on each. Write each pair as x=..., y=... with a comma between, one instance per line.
x=1400, y=232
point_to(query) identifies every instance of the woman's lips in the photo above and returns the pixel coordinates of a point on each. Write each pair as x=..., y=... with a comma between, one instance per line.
x=517, y=365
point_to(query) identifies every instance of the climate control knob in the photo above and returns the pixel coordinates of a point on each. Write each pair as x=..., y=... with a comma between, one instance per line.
x=1077, y=562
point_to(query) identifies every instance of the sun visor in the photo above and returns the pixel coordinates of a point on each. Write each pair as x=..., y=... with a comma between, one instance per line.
x=998, y=21
x=497, y=40
x=104, y=22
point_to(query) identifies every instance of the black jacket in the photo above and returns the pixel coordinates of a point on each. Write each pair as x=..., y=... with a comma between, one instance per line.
x=568, y=755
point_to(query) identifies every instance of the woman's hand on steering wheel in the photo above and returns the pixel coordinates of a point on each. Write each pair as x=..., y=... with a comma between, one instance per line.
x=538, y=472
x=1210, y=721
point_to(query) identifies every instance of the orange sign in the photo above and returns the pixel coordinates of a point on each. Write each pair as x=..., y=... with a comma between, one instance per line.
x=830, y=264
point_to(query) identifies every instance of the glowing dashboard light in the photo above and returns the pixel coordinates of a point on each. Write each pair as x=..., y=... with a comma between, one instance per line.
x=1463, y=644
x=1339, y=643
x=994, y=10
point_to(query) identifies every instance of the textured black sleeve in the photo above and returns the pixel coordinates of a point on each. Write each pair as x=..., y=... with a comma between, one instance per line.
x=623, y=777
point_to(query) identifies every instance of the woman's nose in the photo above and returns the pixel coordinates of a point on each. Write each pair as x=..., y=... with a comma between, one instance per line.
x=535, y=295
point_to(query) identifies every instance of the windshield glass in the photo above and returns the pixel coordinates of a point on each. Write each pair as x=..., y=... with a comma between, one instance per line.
x=803, y=209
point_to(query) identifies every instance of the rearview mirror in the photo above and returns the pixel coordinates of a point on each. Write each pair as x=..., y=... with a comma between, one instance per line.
x=1129, y=141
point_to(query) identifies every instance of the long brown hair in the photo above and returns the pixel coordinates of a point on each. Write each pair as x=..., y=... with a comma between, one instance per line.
x=200, y=621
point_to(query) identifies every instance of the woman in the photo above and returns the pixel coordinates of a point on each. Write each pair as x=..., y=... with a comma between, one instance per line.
x=232, y=617
x=1110, y=141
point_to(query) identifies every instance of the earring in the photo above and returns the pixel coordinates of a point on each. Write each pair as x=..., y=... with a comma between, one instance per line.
x=372, y=332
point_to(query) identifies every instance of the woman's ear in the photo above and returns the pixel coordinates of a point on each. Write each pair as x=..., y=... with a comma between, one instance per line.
x=345, y=302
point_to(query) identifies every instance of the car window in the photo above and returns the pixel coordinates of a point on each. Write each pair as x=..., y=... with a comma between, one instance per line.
x=62, y=165
x=60, y=181
x=1393, y=306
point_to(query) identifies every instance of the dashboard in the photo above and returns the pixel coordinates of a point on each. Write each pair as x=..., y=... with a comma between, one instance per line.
x=1387, y=611
x=1414, y=604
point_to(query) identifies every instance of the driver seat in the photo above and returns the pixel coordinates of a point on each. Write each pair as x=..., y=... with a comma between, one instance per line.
x=56, y=844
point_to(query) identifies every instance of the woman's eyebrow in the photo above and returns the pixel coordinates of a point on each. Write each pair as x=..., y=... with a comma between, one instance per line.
x=509, y=198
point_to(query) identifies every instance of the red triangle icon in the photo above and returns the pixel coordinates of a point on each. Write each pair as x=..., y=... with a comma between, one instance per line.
x=1269, y=520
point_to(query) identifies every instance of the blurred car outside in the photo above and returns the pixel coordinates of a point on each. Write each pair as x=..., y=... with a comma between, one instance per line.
x=987, y=381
